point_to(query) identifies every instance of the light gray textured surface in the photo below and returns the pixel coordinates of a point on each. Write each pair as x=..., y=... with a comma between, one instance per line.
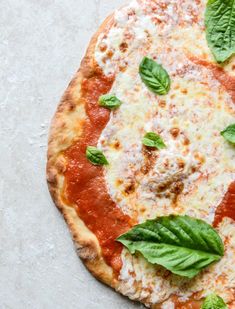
x=41, y=45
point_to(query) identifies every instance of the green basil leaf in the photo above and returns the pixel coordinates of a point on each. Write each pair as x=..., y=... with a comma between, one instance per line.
x=213, y=301
x=229, y=133
x=220, y=28
x=154, y=76
x=182, y=244
x=95, y=156
x=151, y=139
x=109, y=101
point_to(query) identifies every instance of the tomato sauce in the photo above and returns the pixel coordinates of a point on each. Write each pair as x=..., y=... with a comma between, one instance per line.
x=226, y=80
x=85, y=186
x=226, y=207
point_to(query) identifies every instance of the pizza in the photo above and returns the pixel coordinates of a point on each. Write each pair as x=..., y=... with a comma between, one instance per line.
x=141, y=154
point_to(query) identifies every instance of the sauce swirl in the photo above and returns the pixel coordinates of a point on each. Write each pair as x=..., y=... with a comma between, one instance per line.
x=85, y=184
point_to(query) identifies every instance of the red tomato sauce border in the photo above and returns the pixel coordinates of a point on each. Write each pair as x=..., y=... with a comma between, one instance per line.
x=85, y=185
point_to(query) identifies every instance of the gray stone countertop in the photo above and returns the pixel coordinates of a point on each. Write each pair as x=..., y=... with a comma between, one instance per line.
x=41, y=46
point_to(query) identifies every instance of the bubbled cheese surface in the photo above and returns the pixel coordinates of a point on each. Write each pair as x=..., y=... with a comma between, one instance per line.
x=192, y=174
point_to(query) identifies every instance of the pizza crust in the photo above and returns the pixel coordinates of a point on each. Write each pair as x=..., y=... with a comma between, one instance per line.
x=66, y=126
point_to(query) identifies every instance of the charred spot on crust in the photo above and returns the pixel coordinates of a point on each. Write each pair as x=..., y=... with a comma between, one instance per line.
x=148, y=151
x=123, y=47
x=119, y=182
x=117, y=144
x=162, y=187
x=142, y=209
x=110, y=54
x=52, y=176
x=184, y=91
x=104, y=59
x=162, y=103
x=122, y=68
x=199, y=157
x=87, y=252
x=175, y=132
x=186, y=140
x=103, y=47
x=177, y=187
x=173, y=184
x=181, y=163
x=60, y=165
x=130, y=187
x=145, y=169
x=149, y=159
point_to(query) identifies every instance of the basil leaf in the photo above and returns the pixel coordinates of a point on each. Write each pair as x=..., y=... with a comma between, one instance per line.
x=229, y=133
x=151, y=139
x=109, y=101
x=95, y=156
x=154, y=76
x=182, y=244
x=220, y=28
x=213, y=301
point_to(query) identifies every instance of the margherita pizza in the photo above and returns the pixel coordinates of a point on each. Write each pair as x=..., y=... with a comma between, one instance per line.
x=141, y=158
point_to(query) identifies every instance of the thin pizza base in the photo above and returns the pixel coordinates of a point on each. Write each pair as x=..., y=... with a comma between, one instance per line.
x=66, y=127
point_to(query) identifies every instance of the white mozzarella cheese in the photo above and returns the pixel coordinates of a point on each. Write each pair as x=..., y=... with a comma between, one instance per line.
x=189, y=119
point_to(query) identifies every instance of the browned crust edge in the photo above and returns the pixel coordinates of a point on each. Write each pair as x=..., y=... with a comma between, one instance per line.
x=68, y=119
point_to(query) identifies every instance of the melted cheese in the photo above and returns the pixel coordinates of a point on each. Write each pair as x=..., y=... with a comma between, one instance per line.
x=141, y=280
x=193, y=173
